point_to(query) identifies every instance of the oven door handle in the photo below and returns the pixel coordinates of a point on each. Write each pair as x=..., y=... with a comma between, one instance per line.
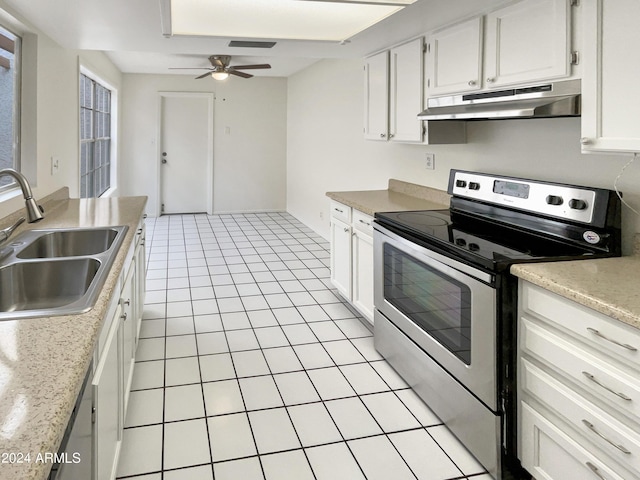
x=450, y=262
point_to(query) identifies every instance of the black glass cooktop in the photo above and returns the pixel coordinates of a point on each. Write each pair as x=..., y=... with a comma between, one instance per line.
x=479, y=241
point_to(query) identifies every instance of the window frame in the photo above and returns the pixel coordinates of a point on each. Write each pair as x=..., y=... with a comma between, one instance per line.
x=16, y=119
x=113, y=115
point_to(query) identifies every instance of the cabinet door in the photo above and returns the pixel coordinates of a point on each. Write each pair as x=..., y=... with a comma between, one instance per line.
x=341, y=257
x=363, y=274
x=107, y=402
x=376, y=96
x=550, y=453
x=129, y=331
x=139, y=280
x=454, y=59
x=528, y=41
x=611, y=73
x=405, y=97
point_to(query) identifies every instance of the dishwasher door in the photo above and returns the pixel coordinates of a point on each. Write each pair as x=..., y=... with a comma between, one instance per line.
x=77, y=445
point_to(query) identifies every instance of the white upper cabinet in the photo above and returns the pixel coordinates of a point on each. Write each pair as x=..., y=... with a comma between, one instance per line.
x=611, y=73
x=524, y=42
x=454, y=58
x=394, y=95
x=405, y=94
x=376, y=96
x=528, y=41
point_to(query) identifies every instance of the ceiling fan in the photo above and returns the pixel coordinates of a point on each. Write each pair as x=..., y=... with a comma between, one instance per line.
x=221, y=69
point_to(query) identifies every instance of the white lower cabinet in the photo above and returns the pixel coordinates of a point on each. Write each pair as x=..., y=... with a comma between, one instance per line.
x=362, y=263
x=578, y=390
x=107, y=402
x=550, y=453
x=129, y=331
x=341, y=256
x=114, y=360
x=352, y=256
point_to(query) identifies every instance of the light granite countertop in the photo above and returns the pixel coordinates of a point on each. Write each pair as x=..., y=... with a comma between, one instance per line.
x=400, y=196
x=43, y=361
x=610, y=286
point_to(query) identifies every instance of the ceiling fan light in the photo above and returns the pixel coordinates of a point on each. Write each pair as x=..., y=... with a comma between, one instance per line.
x=220, y=75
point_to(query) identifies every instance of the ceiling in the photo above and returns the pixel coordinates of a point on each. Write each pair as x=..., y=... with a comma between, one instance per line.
x=130, y=32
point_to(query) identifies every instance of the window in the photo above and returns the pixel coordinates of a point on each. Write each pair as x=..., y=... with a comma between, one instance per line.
x=95, y=137
x=9, y=103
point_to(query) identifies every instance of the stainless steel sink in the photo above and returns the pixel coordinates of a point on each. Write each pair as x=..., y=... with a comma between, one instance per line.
x=45, y=285
x=70, y=243
x=45, y=273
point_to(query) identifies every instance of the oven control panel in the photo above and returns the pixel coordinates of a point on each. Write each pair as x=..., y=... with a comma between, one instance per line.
x=563, y=201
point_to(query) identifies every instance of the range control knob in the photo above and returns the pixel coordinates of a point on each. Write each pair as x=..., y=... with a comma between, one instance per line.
x=554, y=200
x=474, y=247
x=577, y=204
x=461, y=242
x=474, y=186
x=461, y=183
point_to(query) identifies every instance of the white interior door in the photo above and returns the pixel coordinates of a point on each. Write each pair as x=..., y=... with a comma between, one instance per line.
x=186, y=179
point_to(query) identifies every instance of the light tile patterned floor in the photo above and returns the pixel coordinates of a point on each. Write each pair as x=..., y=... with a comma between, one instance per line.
x=250, y=367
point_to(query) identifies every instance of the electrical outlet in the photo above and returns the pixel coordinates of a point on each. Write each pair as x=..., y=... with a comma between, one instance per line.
x=430, y=161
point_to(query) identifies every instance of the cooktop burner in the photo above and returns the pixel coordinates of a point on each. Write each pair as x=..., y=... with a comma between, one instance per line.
x=424, y=219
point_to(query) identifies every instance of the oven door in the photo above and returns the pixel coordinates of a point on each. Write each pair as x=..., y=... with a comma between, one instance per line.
x=446, y=307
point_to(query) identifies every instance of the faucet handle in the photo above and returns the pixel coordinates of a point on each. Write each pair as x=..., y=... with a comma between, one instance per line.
x=6, y=232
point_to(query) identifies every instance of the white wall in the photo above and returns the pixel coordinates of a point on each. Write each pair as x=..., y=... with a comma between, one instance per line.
x=50, y=115
x=326, y=151
x=249, y=161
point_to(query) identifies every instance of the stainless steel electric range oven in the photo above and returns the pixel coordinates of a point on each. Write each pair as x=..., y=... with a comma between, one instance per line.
x=446, y=304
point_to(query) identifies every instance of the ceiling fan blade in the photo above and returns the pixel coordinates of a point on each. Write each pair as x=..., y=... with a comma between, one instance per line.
x=190, y=68
x=252, y=67
x=204, y=75
x=232, y=71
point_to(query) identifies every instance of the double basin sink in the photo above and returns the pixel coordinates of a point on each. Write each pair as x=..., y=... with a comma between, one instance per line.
x=56, y=271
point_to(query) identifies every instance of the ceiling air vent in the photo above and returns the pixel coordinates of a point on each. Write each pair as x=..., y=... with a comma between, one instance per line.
x=251, y=44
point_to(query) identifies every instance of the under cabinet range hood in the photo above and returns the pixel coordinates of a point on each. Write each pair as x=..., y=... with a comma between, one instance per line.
x=556, y=99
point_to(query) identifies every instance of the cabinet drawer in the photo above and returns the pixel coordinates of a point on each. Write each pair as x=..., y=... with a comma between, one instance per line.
x=363, y=222
x=593, y=374
x=550, y=453
x=596, y=425
x=612, y=336
x=340, y=211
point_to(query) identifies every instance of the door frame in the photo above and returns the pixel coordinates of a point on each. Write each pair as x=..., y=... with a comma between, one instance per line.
x=210, y=97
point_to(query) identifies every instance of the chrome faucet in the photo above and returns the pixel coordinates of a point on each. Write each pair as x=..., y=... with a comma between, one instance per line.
x=34, y=212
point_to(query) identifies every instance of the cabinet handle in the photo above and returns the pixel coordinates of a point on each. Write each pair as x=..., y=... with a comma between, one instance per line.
x=346, y=229
x=382, y=135
x=623, y=345
x=491, y=80
x=391, y=135
x=366, y=223
x=127, y=302
x=338, y=210
x=123, y=317
x=139, y=231
x=590, y=426
x=595, y=470
x=585, y=141
x=472, y=83
x=609, y=389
